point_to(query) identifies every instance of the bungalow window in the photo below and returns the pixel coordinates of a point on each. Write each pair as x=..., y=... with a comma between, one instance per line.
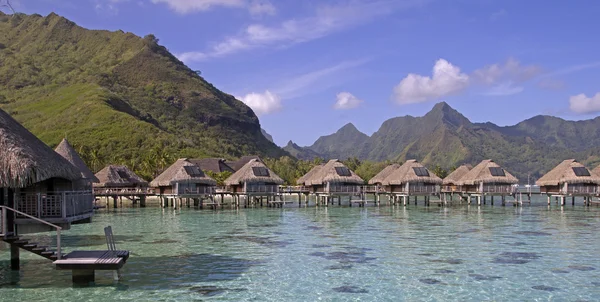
x=421, y=172
x=343, y=171
x=581, y=171
x=260, y=171
x=497, y=172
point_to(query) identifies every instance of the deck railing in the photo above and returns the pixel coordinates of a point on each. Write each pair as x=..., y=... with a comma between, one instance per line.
x=506, y=189
x=55, y=204
x=197, y=191
x=581, y=190
x=10, y=211
x=343, y=189
x=293, y=189
x=123, y=191
x=262, y=189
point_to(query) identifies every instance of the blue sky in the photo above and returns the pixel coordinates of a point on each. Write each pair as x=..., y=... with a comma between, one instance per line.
x=309, y=67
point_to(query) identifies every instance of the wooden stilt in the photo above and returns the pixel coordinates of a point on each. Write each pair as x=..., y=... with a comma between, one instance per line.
x=573, y=200
x=14, y=258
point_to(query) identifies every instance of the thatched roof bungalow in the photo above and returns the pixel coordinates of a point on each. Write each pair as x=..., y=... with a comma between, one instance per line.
x=67, y=152
x=183, y=179
x=333, y=178
x=119, y=180
x=451, y=182
x=381, y=176
x=215, y=165
x=488, y=178
x=254, y=178
x=569, y=178
x=238, y=164
x=32, y=175
x=301, y=181
x=412, y=178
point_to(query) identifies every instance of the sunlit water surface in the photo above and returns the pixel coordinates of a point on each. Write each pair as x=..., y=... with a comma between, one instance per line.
x=461, y=253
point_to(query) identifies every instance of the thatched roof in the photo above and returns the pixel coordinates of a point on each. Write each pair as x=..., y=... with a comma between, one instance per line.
x=216, y=165
x=408, y=173
x=309, y=174
x=118, y=176
x=182, y=171
x=482, y=174
x=329, y=173
x=238, y=164
x=66, y=150
x=247, y=174
x=381, y=176
x=25, y=160
x=454, y=177
x=564, y=173
x=596, y=170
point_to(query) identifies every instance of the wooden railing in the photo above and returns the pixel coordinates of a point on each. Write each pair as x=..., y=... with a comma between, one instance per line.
x=197, y=191
x=343, y=189
x=581, y=190
x=262, y=189
x=4, y=226
x=123, y=191
x=293, y=189
x=55, y=204
x=506, y=189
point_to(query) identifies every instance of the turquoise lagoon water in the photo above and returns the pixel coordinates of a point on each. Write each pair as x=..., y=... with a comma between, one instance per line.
x=460, y=253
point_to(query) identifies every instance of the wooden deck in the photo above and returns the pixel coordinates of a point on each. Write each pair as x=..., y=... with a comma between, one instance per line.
x=93, y=260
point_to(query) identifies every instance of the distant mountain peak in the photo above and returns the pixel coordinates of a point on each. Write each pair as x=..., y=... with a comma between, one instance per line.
x=442, y=112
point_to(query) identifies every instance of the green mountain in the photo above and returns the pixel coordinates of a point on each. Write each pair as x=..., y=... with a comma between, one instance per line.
x=345, y=143
x=301, y=152
x=266, y=135
x=445, y=137
x=118, y=97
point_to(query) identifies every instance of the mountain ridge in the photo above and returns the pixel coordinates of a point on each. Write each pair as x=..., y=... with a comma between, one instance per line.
x=445, y=137
x=117, y=96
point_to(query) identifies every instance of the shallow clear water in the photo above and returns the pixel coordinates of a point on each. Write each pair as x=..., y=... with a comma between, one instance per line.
x=461, y=253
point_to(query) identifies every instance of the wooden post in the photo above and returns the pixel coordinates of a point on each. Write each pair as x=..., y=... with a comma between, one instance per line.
x=492, y=201
x=14, y=257
x=573, y=200
x=404, y=198
x=115, y=201
x=83, y=276
x=142, y=201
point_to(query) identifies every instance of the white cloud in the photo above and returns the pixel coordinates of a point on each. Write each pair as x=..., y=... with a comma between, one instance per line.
x=327, y=19
x=190, y=6
x=262, y=103
x=345, y=100
x=309, y=82
x=511, y=71
x=582, y=104
x=503, y=89
x=446, y=80
x=571, y=69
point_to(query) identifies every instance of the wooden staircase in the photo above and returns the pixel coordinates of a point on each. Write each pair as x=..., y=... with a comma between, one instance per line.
x=33, y=247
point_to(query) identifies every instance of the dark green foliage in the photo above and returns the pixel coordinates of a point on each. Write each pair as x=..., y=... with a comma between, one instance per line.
x=345, y=143
x=120, y=98
x=300, y=152
x=219, y=177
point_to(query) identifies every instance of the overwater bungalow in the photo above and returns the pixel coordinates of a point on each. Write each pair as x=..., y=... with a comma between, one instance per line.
x=411, y=179
x=67, y=152
x=569, y=178
x=184, y=180
x=378, y=179
x=253, y=181
x=302, y=180
x=118, y=182
x=451, y=183
x=332, y=180
x=215, y=165
x=37, y=181
x=488, y=179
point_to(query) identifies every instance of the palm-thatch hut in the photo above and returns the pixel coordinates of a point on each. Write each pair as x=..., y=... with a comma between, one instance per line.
x=333, y=178
x=378, y=179
x=411, y=179
x=215, y=165
x=38, y=181
x=67, y=152
x=183, y=179
x=254, y=178
x=238, y=164
x=488, y=178
x=118, y=182
x=451, y=183
x=569, y=178
x=302, y=180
